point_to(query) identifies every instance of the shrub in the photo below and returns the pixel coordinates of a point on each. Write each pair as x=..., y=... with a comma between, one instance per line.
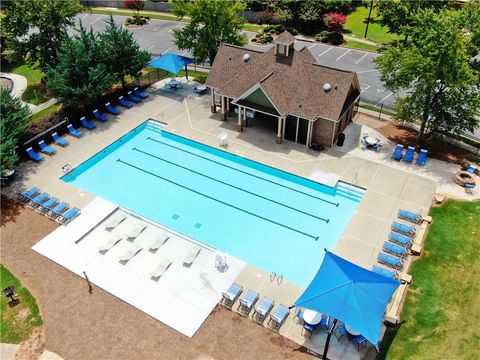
x=336, y=38
x=335, y=21
x=293, y=31
x=268, y=38
x=322, y=36
x=254, y=39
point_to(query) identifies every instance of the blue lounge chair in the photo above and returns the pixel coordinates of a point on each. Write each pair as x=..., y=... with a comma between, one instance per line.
x=28, y=195
x=58, y=140
x=385, y=272
x=125, y=103
x=399, y=238
x=394, y=248
x=398, y=152
x=87, y=123
x=308, y=329
x=140, y=93
x=49, y=204
x=390, y=260
x=231, y=295
x=360, y=341
x=247, y=302
x=133, y=97
x=99, y=116
x=73, y=131
x=68, y=216
x=45, y=148
x=111, y=109
x=340, y=331
x=34, y=155
x=262, y=310
x=409, y=154
x=58, y=210
x=39, y=199
x=278, y=317
x=471, y=169
x=403, y=228
x=410, y=216
x=422, y=158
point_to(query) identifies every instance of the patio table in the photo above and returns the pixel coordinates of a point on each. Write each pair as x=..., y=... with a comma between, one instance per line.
x=312, y=317
x=352, y=331
x=174, y=84
x=371, y=141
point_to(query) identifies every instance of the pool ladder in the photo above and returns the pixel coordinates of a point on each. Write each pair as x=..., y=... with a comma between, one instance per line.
x=274, y=276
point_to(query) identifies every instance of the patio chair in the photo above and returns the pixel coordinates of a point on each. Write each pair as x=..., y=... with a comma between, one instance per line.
x=39, y=199
x=422, y=158
x=223, y=140
x=130, y=253
x=191, y=256
x=391, y=274
x=74, y=132
x=278, y=317
x=400, y=239
x=390, y=260
x=160, y=269
x=410, y=216
x=87, y=123
x=340, y=331
x=398, y=152
x=403, y=228
x=299, y=314
x=158, y=241
x=57, y=210
x=221, y=262
x=324, y=322
x=134, y=98
x=360, y=341
x=471, y=169
x=394, y=249
x=246, y=304
x=262, y=310
x=140, y=93
x=111, y=109
x=68, y=216
x=134, y=231
x=114, y=220
x=231, y=295
x=308, y=329
x=408, y=158
x=99, y=116
x=45, y=148
x=34, y=155
x=59, y=140
x=125, y=103
x=28, y=195
x=469, y=188
x=49, y=204
x=113, y=240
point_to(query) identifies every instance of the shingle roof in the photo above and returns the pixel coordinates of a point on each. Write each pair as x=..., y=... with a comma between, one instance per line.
x=285, y=38
x=294, y=83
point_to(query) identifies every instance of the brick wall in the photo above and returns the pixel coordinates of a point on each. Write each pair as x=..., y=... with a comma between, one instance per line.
x=322, y=132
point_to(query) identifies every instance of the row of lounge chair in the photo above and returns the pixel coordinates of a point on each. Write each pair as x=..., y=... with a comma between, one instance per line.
x=409, y=155
x=261, y=311
x=48, y=206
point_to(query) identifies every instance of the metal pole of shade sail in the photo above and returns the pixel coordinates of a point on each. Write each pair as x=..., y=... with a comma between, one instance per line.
x=368, y=20
x=329, y=336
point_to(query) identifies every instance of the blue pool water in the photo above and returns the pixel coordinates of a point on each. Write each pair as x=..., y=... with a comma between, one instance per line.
x=269, y=218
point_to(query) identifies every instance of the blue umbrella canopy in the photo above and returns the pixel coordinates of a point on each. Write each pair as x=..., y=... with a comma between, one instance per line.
x=170, y=62
x=351, y=294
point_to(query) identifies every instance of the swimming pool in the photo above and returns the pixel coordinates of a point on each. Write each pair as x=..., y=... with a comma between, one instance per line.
x=271, y=219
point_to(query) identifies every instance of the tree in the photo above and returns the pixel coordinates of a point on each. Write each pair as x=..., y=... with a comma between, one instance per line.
x=435, y=69
x=335, y=21
x=211, y=23
x=136, y=5
x=79, y=76
x=35, y=29
x=13, y=123
x=121, y=53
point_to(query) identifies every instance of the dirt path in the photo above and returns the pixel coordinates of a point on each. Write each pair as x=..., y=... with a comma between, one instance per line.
x=78, y=325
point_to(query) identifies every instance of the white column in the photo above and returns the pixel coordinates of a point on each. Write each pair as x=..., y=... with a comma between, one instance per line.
x=213, y=108
x=296, y=131
x=222, y=102
x=279, y=130
x=239, y=123
x=283, y=128
x=309, y=133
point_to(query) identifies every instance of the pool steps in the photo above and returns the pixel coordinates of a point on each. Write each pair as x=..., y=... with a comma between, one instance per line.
x=350, y=191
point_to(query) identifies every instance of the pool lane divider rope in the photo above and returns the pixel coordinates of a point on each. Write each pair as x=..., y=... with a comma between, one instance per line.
x=232, y=186
x=244, y=172
x=219, y=201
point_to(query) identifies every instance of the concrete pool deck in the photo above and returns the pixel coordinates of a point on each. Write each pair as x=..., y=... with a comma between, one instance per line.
x=389, y=185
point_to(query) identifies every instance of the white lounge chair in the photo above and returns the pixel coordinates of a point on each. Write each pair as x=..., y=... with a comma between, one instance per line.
x=221, y=262
x=223, y=139
x=161, y=268
x=130, y=253
x=114, y=221
x=113, y=240
x=134, y=231
x=158, y=241
x=191, y=256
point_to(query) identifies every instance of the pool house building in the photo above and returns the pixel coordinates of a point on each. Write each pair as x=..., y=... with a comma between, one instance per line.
x=284, y=90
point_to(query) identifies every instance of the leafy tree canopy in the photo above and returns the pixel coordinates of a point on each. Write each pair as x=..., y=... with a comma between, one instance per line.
x=35, y=29
x=13, y=123
x=212, y=22
x=306, y=10
x=435, y=69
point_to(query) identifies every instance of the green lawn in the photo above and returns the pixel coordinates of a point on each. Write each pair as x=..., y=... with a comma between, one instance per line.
x=47, y=111
x=360, y=45
x=17, y=323
x=355, y=26
x=36, y=92
x=442, y=311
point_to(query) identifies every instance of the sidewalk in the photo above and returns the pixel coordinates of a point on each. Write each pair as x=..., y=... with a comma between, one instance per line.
x=8, y=352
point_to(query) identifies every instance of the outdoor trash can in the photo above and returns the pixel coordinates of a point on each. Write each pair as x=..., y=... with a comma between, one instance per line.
x=341, y=139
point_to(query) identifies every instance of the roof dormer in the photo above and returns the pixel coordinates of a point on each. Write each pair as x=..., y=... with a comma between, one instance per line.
x=284, y=44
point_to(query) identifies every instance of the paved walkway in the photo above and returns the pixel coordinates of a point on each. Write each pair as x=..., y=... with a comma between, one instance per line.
x=8, y=352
